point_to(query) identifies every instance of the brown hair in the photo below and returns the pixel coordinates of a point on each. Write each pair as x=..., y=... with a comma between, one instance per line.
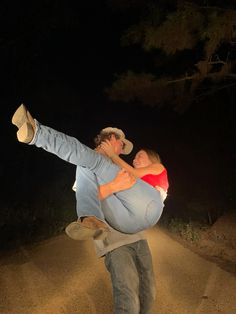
x=152, y=154
x=102, y=136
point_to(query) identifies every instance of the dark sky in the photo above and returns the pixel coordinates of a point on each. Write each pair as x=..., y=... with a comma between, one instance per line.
x=57, y=58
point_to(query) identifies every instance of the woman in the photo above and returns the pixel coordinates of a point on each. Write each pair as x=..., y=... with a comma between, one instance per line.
x=140, y=207
x=147, y=166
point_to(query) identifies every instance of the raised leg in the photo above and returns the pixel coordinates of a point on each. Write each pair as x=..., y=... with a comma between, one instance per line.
x=141, y=203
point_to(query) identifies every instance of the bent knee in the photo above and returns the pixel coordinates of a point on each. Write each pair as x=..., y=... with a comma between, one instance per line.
x=153, y=212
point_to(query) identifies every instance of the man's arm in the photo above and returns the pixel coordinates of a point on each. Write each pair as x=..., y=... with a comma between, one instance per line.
x=122, y=181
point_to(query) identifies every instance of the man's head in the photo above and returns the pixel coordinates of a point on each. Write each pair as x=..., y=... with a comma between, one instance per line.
x=117, y=138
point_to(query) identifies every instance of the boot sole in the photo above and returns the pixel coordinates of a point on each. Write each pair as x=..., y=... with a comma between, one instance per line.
x=20, y=116
x=25, y=133
x=77, y=231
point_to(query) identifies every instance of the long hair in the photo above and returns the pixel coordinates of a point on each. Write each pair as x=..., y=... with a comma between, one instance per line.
x=152, y=154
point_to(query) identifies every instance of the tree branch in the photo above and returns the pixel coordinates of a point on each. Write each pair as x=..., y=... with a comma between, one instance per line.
x=212, y=91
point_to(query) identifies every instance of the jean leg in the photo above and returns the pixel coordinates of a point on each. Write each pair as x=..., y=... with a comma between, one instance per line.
x=125, y=280
x=88, y=203
x=73, y=151
x=136, y=210
x=147, y=287
x=118, y=216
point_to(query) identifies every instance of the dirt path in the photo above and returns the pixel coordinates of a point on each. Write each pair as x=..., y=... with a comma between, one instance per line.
x=62, y=276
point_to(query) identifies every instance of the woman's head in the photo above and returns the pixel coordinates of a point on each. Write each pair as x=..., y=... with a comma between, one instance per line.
x=145, y=157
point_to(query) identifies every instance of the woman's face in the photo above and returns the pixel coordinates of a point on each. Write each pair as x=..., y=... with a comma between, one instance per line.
x=141, y=159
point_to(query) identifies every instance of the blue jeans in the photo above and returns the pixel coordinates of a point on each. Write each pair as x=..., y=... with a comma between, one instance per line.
x=132, y=277
x=128, y=211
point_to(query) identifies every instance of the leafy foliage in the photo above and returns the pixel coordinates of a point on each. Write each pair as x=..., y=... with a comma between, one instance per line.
x=142, y=87
x=208, y=34
x=221, y=27
x=179, y=31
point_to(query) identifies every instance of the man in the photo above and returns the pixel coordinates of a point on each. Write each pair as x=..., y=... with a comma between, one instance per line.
x=94, y=199
x=127, y=257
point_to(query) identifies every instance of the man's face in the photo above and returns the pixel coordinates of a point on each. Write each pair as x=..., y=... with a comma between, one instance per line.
x=117, y=144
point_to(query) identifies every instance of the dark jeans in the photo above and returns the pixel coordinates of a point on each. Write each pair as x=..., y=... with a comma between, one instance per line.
x=132, y=277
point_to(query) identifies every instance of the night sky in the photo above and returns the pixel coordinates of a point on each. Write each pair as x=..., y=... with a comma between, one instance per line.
x=57, y=58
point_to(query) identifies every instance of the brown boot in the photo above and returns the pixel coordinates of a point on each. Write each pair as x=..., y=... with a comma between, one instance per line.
x=94, y=223
x=25, y=123
x=91, y=227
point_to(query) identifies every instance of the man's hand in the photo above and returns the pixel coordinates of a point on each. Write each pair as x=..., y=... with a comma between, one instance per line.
x=123, y=181
x=107, y=148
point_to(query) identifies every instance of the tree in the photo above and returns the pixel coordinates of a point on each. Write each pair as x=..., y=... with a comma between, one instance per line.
x=193, y=53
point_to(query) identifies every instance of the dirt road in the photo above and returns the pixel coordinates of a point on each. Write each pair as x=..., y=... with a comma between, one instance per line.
x=62, y=276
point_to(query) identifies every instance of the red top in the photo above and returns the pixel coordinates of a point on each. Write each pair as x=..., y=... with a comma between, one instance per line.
x=160, y=180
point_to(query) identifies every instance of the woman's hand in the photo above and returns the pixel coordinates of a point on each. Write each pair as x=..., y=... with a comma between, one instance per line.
x=107, y=148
